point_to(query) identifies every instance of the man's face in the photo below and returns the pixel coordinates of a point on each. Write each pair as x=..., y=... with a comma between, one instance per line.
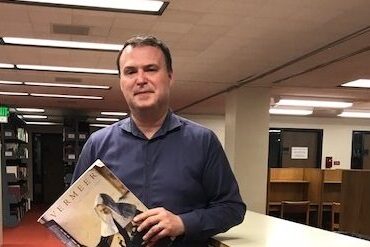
x=145, y=81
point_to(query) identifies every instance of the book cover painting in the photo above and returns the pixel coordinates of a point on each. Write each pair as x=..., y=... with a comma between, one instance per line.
x=96, y=210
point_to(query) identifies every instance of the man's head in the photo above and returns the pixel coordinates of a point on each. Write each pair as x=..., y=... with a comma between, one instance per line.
x=145, y=68
x=147, y=41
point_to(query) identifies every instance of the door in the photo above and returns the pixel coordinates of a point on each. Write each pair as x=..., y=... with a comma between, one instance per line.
x=49, y=167
x=360, y=150
x=295, y=148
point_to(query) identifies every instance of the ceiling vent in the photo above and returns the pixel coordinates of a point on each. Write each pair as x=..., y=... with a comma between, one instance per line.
x=70, y=29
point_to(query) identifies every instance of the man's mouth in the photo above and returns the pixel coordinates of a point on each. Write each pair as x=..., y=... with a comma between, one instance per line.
x=143, y=92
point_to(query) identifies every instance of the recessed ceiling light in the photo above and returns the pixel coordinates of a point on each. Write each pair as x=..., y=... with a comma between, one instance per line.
x=99, y=125
x=154, y=7
x=107, y=119
x=43, y=123
x=113, y=113
x=363, y=83
x=11, y=82
x=6, y=66
x=67, y=69
x=61, y=44
x=355, y=114
x=34, y=116
x=289, y=111
x=66, y=96
x=314, y=103
x=13, y=94
x=30, y=109
x=69, y=85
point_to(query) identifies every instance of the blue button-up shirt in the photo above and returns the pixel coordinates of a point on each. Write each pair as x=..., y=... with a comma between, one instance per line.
x=183, y=168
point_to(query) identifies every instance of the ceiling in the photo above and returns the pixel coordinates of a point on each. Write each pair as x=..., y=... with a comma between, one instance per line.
x=301, y=48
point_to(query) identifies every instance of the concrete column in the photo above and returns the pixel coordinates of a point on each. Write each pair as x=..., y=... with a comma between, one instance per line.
x=246, y=142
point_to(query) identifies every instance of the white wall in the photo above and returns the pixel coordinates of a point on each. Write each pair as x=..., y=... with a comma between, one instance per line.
x=337, y=132
x=214, y=122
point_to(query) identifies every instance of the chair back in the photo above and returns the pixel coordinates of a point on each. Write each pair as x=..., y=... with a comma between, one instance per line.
x=294, y=210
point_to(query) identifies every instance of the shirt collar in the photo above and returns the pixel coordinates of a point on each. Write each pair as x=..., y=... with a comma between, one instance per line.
x=171, y=122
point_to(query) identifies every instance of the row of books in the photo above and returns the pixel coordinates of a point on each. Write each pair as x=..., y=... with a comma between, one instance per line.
x=15, y=150
x=16, y=173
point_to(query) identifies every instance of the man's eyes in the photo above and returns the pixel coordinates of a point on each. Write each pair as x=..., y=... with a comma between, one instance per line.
x=151, y=69
x=129, y=71
x=133, y=71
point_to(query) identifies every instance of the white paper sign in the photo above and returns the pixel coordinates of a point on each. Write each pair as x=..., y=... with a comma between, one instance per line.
x=299, y=153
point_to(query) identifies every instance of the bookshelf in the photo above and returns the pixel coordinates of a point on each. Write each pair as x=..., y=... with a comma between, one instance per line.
x=15, y=171
x=75, y=134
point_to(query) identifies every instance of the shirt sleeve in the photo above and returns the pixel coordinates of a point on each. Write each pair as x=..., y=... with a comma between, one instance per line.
x=85, y=160
x=225, y=206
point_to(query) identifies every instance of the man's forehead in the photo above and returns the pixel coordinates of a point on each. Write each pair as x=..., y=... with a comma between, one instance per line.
x=132, y=54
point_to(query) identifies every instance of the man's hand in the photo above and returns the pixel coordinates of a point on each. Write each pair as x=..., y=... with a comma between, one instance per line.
x=160, y=223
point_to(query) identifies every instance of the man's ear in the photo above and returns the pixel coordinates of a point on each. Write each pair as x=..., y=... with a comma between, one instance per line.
x=170, y=75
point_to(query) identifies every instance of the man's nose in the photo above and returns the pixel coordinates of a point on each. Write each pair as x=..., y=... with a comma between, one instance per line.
x=141, y=77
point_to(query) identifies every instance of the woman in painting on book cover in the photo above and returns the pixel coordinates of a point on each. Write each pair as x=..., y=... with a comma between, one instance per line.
x=116, y=219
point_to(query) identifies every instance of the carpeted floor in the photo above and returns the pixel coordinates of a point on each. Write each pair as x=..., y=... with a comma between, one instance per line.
x=29, y=232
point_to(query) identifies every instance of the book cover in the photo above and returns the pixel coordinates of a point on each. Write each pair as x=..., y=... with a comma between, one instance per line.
x=96, y=210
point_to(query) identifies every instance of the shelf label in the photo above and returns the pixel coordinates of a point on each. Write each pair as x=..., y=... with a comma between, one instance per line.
x=82, y=136
x=71, y=136
x=3, y=119
x=8, y=153
x=8, y=134
x=71, y=156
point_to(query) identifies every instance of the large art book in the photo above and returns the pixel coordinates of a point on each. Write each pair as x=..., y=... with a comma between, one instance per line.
x=96, y=210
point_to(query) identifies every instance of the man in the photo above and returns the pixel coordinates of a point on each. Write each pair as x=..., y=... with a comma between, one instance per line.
x=177, y=168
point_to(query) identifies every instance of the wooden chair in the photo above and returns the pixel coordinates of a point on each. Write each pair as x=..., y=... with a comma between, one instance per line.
x=296, y=210
x=335, y=216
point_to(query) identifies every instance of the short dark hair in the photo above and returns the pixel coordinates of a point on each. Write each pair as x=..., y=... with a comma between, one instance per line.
x=148, y=40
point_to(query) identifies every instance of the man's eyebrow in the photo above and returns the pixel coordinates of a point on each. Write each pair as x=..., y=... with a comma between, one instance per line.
x=129, y=67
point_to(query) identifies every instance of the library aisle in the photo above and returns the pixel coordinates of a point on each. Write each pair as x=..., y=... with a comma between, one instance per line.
x=30, y=233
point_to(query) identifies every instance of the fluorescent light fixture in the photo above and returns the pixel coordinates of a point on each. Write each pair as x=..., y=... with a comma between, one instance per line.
x=363, y=83
x=6, y=66
x=314, y=103
x=34, y=116
x=67, y=69
x=99, y=125
x=112, y=5
x=30, y=109
x=289, y=111
x=113, y=113
x=274, y=131
x=13, y=94
x=43, y=123
x=107, y=119
x=355, y=114
x=11, y=82
x=62, y=44
x=47, y=84
x=66, y=96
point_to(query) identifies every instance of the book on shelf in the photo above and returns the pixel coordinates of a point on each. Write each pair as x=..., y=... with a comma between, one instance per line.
x=97, y=210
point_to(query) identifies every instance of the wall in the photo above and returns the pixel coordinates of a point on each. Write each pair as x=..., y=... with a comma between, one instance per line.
x=214, y=122
x=337, y=134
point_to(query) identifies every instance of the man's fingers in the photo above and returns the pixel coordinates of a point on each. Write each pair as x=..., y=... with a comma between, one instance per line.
x=146, y=214
x=154, y=234
x=148, y=222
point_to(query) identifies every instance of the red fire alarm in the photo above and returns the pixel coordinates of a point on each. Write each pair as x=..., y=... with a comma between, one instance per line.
x=328, y=162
